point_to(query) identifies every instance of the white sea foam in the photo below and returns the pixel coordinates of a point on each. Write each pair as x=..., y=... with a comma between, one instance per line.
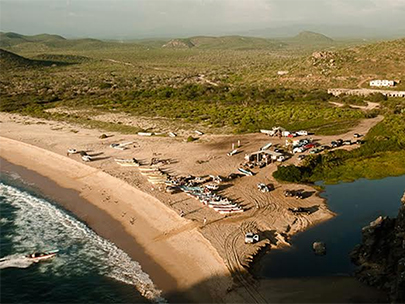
x=43, y=226
x=16, y=261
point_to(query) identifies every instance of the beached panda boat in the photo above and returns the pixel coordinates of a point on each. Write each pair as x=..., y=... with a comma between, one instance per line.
x=41, y=256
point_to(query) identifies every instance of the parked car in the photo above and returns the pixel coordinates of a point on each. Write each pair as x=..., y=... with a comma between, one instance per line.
x=301, y=157
x=298, y=150
x=347, y=142
x=251, y=238
x=281, y=158
x=357, y=135
x=309, y=146
x=315, y=150
x=302, y=133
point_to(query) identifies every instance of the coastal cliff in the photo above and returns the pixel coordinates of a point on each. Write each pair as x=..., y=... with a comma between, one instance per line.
x=381, y=255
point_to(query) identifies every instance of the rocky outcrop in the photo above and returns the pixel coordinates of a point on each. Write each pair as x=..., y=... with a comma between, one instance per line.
x=381, y=255
x=319, y=248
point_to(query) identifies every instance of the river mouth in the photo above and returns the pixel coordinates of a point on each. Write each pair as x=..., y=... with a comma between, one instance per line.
x=356, y=205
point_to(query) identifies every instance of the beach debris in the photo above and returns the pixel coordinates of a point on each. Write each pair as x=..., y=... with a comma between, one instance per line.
x=319, y=248
x=251, y=238
x=103, y=136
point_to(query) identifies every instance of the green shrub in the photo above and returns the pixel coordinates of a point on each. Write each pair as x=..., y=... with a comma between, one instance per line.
x=289, y=173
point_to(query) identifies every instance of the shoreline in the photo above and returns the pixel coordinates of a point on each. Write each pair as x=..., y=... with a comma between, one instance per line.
x=148, y=231
x=106, y=227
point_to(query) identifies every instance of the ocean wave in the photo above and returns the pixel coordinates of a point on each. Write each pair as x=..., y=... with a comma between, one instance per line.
x=42, y=226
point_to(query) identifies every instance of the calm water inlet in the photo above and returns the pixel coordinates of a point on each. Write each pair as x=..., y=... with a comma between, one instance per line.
x=356, y=205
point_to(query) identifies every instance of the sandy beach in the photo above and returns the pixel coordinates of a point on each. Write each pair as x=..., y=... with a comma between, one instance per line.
x=186, y=256
x=181, y=254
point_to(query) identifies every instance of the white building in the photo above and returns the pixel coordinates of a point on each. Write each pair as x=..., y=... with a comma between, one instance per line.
x=382, y=83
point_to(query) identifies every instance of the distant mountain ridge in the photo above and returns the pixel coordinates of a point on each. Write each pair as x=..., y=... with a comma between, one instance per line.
x=308, y=36
x=10, y=38
x=223, y=42
x=15, y=41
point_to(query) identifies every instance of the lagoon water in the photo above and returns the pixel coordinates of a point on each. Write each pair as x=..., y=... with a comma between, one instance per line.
x=356, y=205
x=89, y=269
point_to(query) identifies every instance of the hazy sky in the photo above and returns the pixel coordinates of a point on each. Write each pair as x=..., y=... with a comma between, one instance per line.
x=140, y=18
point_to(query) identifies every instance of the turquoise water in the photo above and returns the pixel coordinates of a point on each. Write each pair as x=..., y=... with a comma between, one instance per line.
x=356, y=205
x=89, y=269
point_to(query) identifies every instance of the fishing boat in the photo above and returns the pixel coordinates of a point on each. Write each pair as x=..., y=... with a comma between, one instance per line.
x=233, y=152
x=245, y=172
x=41, y=256
x=132, y=162
x=266, y=147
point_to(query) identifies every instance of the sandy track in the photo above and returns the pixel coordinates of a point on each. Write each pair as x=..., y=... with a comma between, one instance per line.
x=370, y=105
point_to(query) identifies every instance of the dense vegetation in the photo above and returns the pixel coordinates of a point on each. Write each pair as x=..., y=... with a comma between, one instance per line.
x=382, y=154
x=242, y=109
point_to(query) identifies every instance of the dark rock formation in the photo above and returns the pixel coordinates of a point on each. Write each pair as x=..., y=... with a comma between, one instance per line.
x=319, y=248
x=381, y=255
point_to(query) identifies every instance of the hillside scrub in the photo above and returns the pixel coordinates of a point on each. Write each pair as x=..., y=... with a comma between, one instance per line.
x=243, y=109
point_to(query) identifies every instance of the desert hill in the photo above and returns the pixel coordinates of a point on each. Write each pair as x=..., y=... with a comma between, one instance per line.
x=224, y=42
x=9, y=60
x=312, y=37
x=16, y=42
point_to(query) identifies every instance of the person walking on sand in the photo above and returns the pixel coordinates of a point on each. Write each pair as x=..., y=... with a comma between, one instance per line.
x=181, y=213
x=205, y=221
